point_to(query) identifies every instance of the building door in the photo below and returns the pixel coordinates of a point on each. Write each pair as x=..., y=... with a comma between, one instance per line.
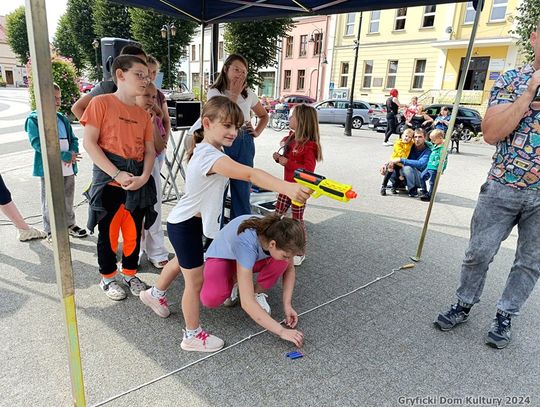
x=9, y=77
x=476, y=75
x=269, y=81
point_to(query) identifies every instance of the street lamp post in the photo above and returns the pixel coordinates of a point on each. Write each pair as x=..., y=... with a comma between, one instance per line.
x=315, y=43
x=95, y=45
x=348, y=120
x=167, y=31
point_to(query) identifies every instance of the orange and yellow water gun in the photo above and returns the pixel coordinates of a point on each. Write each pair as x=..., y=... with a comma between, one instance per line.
x=323, y=186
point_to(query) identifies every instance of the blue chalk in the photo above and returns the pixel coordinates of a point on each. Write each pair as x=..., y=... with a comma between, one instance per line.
x=294, y=355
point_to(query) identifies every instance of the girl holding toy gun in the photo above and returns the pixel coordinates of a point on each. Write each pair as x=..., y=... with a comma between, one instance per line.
x=300, y=149
x=199, y=212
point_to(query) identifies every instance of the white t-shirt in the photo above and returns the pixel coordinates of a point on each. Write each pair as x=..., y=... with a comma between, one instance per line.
x=203, y=192
x=67, y=168
x=245, y=104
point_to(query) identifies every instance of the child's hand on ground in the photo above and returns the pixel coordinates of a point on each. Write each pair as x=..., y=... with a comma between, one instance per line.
x=292, y=335
x=291, y=317
x=136, y=183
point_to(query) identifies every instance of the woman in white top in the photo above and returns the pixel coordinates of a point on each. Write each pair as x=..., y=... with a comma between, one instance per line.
x=199, y=212
x=232, y=83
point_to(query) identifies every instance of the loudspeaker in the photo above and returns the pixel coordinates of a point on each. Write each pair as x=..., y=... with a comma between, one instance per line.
x=187, y=113
x=110, y=49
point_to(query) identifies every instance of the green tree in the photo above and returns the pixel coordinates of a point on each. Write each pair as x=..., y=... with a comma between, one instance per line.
x=65, y=75
x=146, y=28
x=79, y=15
x=257, y=42
x=111, y=20
x=64, y=41
x=16, y=34
x=527, y=16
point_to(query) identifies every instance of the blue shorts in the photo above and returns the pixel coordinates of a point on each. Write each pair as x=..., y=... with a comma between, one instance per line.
x=5, y=196
x=187, y=240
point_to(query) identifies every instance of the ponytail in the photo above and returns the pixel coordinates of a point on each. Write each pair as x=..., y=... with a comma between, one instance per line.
x=196, y=138
x=288, y=233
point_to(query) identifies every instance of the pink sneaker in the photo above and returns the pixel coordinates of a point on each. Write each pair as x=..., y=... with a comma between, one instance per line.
x=158, y=305
x=202, y=342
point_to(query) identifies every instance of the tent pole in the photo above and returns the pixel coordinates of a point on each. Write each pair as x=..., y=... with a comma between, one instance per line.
x=464, y=70
x=36, y=21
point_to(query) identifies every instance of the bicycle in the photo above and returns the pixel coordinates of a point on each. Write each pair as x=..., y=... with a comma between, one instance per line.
x=279, y=121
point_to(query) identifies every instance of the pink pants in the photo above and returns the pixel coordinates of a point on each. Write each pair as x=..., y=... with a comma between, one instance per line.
x=219, y=278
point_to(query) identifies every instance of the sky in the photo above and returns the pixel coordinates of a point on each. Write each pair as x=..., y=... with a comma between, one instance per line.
x=55, y=8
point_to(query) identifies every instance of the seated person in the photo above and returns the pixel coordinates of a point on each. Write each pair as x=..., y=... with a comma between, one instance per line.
x=442, y=120
x=402, y=148
x=414, y=164
x=419, y=120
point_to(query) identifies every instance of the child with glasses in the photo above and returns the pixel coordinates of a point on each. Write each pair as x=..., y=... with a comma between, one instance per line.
x=119, y=138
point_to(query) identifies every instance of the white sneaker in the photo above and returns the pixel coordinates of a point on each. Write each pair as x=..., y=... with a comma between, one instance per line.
x=30, y=234
x=113, y=290
x=261, y=299
x=386, y=143
x=298, y=260
x=158, y=305
x=202, y=342
x=233, y=299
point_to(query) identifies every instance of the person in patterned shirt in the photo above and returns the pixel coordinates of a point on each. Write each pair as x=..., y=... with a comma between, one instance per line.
x=509, y=197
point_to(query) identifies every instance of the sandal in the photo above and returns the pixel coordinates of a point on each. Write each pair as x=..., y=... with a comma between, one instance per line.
x=159, y=264
x=76, y=231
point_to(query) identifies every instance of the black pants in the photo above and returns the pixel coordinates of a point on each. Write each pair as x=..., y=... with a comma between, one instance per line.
x=118, y=219
x=391, y=126
x=389, y=175
x=5, y=196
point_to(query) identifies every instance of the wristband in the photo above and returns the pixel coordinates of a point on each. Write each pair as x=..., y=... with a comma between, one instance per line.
x=116, y=175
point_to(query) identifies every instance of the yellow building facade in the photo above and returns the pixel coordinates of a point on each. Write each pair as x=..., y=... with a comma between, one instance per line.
x=418, y=50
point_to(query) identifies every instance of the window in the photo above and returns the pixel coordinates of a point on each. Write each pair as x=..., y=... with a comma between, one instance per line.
x=419, y=71
x=195, y=80
x=429, y=16
x=220, y=50
x=301, y=79
x=349, y=25
x=288, y=47
x=498, y=11
x=391, y=75
x=194, y=52
x=344, y=75
x=469, y=13
x=401, y=15
x=368, y=74
x=374, y=21
x=287, y=79
x=182, y=77
x=317, y=44
x=303, y=46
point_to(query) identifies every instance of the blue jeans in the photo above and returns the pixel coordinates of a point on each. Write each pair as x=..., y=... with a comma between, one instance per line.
x=429, y=175
x=498, y=210
x=242, y=151
x=413, y=178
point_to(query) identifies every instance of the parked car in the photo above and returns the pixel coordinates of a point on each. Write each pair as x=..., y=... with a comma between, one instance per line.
x=182, y=92
x=335, y=111
x=377, y=122
x=293, y=100
x=85, y=87
x=376, y=109
x=470, y=118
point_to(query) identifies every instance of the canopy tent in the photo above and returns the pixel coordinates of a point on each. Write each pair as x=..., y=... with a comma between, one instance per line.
x=204, y=12
x=223, y=11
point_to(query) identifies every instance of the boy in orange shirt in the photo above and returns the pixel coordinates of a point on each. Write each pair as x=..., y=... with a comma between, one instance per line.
x=118, y=136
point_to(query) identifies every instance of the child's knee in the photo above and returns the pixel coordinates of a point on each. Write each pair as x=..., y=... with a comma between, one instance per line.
x=212, y=300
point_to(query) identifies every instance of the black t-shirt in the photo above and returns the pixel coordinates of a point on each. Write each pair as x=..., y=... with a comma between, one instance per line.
x=391, y=106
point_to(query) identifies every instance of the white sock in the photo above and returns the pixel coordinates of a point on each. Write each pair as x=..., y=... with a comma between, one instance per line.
x=157, y=293
x=108, y=280
x=190, y=333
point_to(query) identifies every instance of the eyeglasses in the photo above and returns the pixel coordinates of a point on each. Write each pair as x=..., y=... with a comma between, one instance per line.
x=142, y=76
x=238, y=70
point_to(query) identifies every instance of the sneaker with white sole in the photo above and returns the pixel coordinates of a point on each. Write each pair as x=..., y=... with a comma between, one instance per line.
x=31, y=233
x=202, y=342
x=136, y=285
x=261, y=299
x=298, y=260
x=159, y=305
x=113, y=290
x=233, y=298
